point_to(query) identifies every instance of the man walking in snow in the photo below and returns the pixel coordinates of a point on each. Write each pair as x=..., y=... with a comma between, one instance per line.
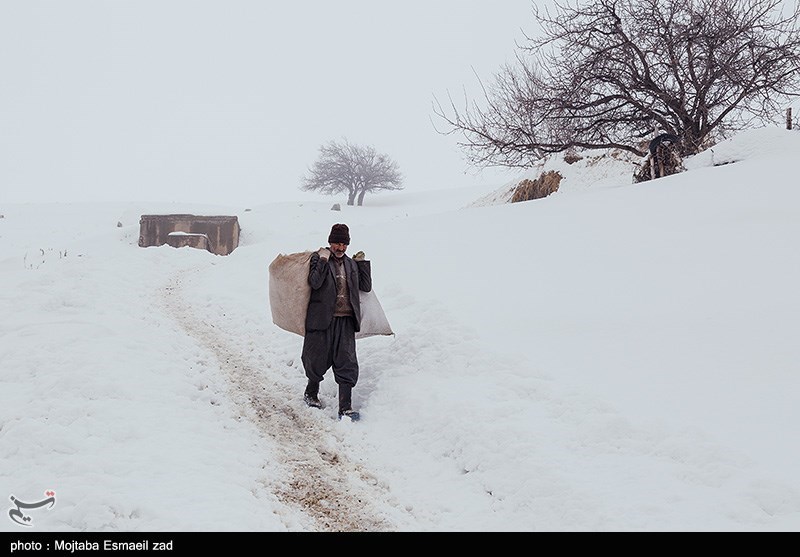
x=333, y=318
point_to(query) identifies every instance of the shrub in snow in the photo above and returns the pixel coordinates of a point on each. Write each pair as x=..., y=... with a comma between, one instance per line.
x=542, y=186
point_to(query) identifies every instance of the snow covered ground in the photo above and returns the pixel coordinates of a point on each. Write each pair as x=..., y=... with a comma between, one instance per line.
x=614, y=357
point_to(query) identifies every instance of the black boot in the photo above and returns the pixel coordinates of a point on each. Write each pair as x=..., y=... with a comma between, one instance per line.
x=345, y=403
x=311, y=396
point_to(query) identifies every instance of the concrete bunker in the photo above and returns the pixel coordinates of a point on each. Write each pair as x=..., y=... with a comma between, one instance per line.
x=217, y=234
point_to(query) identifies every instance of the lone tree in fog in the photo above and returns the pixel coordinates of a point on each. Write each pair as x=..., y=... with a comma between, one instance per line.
x=614, y=73
x=342, y=166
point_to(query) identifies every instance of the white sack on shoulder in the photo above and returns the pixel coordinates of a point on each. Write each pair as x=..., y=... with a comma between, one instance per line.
x=289, y=293
x=373, y=319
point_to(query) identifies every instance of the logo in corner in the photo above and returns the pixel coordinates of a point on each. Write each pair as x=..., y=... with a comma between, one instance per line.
x=18, y=516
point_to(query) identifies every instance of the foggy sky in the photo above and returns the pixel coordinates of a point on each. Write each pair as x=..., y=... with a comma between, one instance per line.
x=228, y=101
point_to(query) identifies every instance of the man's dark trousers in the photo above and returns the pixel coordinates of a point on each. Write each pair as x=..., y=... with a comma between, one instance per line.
x=336, y=347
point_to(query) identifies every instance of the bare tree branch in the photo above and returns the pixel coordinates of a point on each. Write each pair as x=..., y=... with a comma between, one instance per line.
x=344, y=167
x=613, y=73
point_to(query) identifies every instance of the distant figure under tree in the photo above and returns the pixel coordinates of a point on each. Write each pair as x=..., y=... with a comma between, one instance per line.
x=662, y=160
x=356, y=169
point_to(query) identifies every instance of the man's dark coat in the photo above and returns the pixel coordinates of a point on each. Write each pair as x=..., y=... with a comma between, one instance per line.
x=323, y=290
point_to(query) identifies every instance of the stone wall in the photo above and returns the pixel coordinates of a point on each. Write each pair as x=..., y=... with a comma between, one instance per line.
x=221, y=232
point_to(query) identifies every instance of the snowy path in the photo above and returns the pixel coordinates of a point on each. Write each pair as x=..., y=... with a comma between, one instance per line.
x=323, y=482
x=151, y=390
x=572, y=450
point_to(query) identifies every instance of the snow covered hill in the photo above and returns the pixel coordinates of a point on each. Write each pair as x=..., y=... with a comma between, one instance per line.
x=614, y=357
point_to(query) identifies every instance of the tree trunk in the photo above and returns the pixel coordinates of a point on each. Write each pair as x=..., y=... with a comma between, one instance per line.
x=361, y=197
x=351, y=198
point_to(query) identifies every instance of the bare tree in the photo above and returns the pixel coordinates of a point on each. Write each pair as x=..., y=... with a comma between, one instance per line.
x=613, y=73
x=342, y=166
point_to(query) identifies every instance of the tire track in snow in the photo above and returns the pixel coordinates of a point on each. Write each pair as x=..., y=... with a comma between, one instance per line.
x=325, y=484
